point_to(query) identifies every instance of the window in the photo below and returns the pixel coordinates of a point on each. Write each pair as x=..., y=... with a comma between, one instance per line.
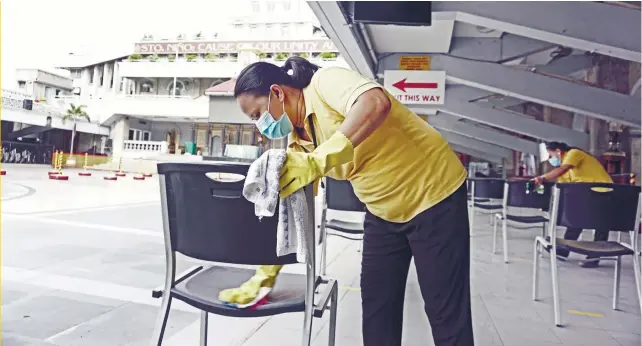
x=76, y=73
x=146, y=135
x=270, y=6
x=180, y=88
x=285, y=30
x=256, y=6
x=22, y=84
x=139, y=135
x=147, y=87
x=287, y=5
x=269, y=30
x=91, y=75
x=253, y=30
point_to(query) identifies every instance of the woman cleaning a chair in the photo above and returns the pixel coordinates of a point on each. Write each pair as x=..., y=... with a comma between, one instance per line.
x=575, y=166
x=345, y=126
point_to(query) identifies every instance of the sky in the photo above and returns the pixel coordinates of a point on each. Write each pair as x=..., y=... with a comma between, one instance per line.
x=41, y=33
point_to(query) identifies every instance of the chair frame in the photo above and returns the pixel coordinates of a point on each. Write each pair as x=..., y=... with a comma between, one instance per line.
x=503, y=217
x=552, y=245
x=472, y=208
x=324, y=234
x=327, y=301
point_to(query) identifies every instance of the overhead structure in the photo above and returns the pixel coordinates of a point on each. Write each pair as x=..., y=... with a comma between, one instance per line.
x=496, y=55
x=478, y=154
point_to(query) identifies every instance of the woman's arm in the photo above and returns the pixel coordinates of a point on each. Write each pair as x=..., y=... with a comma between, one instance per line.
x=553, y=174
x=366, y=115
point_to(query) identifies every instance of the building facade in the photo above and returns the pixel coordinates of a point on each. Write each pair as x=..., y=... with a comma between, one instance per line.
x=170, y=92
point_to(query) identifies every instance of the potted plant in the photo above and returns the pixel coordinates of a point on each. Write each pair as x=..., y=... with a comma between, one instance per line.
x=198, y=35
x=180, y=37
x=74, y=114
x=234, y=57
x=191, y=57
x=171, y=58
x=328, y=56
x=262, y=55
x=134, y=57
x=153, y=58
x=303, y=55
x=211, y=56
x=281, y=56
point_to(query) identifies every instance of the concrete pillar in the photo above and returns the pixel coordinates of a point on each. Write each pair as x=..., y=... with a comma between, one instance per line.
x=85, y=85
x=118, y=134
x=96, y=82
x=107, y=73
x=117, y=79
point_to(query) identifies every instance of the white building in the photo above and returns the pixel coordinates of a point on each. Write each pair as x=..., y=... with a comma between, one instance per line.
x=169, y=91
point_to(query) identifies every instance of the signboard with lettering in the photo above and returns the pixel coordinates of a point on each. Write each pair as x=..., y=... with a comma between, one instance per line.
x=204, y=47
x=414, y=63
x=416, y=87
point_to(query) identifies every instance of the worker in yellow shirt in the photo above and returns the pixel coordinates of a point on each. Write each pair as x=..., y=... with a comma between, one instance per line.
x=575, y=166
x=345, y=126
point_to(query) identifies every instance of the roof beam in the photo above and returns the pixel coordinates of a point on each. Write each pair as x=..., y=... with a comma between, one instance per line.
x=334, y=24
x=457, y=104
x=462, y=140
x=507, y=47
x=578, y=25
x=450, y=123
x=554, y=92
x=476, y=153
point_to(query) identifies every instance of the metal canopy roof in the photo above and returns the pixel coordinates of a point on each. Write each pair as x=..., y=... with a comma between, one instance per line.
x=521, y=51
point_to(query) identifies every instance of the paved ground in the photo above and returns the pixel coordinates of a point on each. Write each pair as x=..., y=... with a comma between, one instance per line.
x=79, y=259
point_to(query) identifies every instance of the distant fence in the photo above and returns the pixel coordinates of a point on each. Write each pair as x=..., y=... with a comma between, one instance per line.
x=92, y=160
x=26, y=153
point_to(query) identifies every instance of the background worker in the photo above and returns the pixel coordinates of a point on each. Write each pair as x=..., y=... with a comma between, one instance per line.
x=575, y=166
x=347, y=127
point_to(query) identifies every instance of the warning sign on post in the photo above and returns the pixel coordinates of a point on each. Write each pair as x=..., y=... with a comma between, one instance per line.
x=414, y=63
x=416, y=87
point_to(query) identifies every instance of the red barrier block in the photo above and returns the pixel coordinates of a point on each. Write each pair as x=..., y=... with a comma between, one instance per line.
x=84, y=174
x=139, y=178
x=120, y=174
x=147, y=175
x=3, y=172
x=110, y=178
x=59, y=177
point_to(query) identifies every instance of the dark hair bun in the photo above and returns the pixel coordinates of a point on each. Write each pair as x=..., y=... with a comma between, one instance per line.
x=300, y=70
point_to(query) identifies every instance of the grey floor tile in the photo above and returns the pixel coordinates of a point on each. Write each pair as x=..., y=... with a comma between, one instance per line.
x=47, y=315
x=574, y=336
x=626, y=339
x=130, y=324
x=15, y=340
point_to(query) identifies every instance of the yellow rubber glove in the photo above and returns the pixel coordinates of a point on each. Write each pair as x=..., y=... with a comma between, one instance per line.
x=265, y=277
x=301, y=169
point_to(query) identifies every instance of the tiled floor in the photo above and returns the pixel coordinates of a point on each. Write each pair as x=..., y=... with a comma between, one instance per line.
x=79, y=260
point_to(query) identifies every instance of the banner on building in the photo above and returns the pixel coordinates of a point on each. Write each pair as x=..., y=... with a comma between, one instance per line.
x=203, y=47
x=19, y=152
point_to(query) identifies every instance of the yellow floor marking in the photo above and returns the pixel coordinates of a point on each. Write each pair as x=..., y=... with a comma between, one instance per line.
x=354, y=289
x=584, y=313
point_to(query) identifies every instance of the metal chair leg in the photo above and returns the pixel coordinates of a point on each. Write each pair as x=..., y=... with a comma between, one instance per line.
x=556, y=293
x=324, y=249
x=495, y=237
x=204, y=320
x=332, y=324
x=307, y=327
x=505, y=238
x=161, y=322
x=536, y=269
x=616, y=282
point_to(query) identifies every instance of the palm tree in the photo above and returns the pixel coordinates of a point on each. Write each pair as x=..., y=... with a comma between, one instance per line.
x=75, y=114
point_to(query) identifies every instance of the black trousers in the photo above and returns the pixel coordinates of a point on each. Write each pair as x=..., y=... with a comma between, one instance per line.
x=439, y=241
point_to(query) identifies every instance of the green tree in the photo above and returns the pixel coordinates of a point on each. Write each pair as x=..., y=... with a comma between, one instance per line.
x=75, y=114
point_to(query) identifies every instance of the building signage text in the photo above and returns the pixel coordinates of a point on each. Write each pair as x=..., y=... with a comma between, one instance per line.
x=197, y=47
x=416, y=87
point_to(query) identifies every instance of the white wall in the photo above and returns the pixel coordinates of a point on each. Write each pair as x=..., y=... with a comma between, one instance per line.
x=225, y=110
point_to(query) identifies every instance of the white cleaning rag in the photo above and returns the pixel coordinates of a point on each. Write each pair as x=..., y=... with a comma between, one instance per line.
x=262, y=188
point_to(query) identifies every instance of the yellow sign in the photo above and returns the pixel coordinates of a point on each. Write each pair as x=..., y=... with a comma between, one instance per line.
x=414, y=63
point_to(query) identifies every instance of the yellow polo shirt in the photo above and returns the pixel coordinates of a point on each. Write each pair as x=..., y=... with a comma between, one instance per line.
x=586, y=168
x=402, y=169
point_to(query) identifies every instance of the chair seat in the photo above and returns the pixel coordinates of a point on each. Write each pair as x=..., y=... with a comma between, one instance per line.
x=480, y=200
x=526, y=219
x=202, y=289
x=595, y=248
x=488, y=206
x=345, y=227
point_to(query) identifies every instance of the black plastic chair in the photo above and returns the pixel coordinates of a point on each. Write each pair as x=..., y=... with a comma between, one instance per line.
x=517, y=196
x=485, y=192
x=207, y=218
x=339, y=196
x=592, y=206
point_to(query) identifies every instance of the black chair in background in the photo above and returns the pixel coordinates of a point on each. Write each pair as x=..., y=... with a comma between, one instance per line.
x=592, y=206
x=485, y=195
x=517, y=196
x=339, y=196
x=207, y=218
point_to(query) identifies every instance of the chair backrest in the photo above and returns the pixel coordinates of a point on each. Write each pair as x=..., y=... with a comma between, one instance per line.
x=488, y=188
x=340, y=196
x=211, y=220
x=611, y=207
x=517, y=195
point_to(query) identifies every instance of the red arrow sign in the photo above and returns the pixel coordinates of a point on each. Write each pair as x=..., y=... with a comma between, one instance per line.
x=403, y=85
